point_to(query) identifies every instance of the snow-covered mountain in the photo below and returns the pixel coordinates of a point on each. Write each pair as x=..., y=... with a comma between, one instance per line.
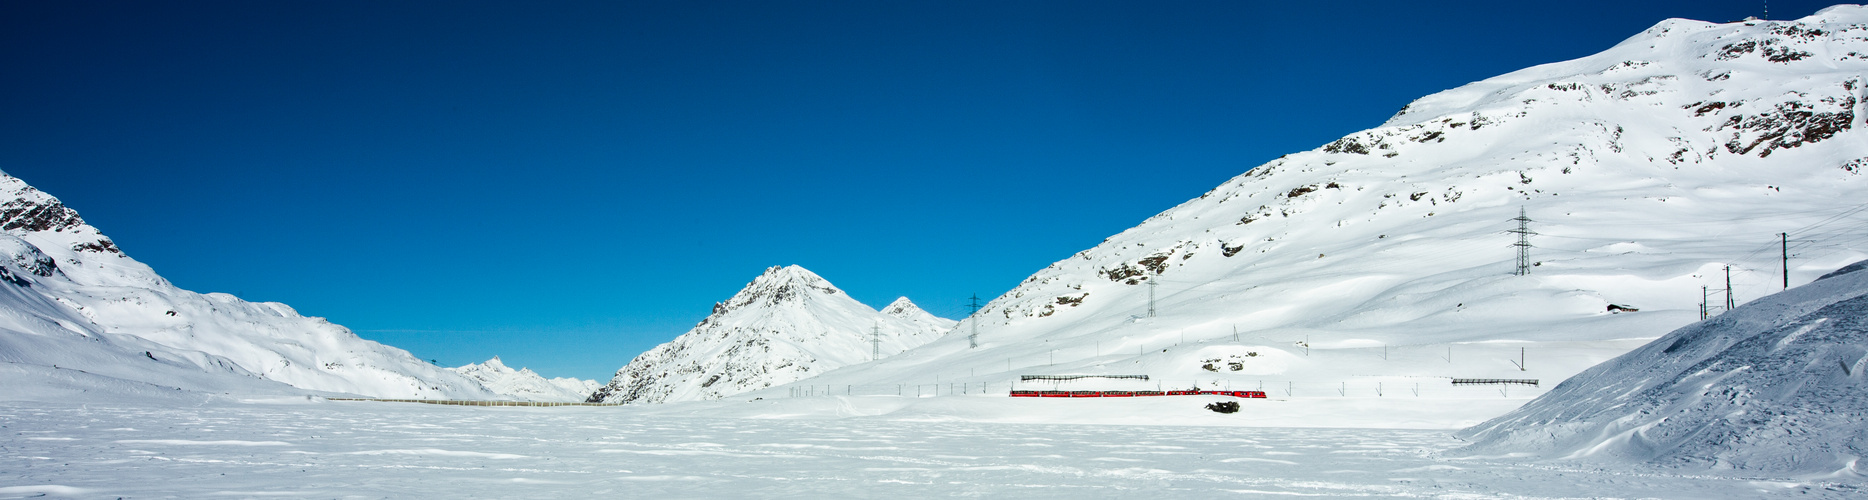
x=786, y=325
x=73, y=300
x=906, y=310
x=1382, y=260
x=526, y=385
x=1773, y=387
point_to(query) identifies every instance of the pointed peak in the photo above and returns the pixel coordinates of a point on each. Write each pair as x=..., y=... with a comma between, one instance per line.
x=906, y=309
x=494, y=364
x=901, y=308
x=790, y=277
x=791, y=273
x=777, y=285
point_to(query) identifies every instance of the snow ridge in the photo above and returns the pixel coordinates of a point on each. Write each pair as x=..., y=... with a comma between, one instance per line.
x=77, y=302
x=786, y=325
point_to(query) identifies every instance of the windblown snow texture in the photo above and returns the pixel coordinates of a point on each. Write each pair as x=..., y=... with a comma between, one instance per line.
x=77, y=315
x=526, y=385
x=1773, y=387
x=1381, y=259
x=787, y=325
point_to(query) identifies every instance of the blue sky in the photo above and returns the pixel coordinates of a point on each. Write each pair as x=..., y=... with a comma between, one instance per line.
x=567, y=184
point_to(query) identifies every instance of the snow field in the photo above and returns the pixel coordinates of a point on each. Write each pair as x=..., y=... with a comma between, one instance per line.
x=282, y=448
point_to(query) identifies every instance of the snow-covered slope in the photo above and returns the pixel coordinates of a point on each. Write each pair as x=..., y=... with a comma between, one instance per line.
x=49, y=352
x=1381, y=261
x=526, y=385
x=787, y=325
x=1773, y=387
x=73, y=299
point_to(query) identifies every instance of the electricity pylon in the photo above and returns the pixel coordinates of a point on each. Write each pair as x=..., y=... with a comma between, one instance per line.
x=972, y=339
x=875, y=342
x=1151, y=297
x=1524, y=242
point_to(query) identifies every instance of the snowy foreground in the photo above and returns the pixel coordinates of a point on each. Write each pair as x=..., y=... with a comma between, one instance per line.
x=297, y=448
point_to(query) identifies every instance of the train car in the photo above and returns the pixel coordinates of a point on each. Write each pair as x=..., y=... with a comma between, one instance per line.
x=1148, y=393
x=1086, y=394
x=1254, y=394
x=1053, y=394
x=1024, y=394
x=1118, y=394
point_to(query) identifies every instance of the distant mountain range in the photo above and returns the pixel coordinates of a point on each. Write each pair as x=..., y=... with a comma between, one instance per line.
x=525, y=384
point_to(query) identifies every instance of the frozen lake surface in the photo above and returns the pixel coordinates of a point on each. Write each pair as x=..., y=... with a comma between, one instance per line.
x=399, y=450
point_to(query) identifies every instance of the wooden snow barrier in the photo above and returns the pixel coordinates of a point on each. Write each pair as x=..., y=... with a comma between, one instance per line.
x=1486, y=381
x=463, y=402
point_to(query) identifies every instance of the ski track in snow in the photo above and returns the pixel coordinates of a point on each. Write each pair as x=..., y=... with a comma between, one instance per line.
x=407, y=450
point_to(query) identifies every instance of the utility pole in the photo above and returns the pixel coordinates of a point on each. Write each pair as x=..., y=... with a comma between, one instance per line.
x=875, y=342
x=1704, y=293
x=972, y=339
x=1783, y=239
x=1729, y=303
x=1151, y=298
x=1524, y=242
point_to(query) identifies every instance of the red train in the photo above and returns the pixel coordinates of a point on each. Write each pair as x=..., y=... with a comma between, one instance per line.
x=1133, y=394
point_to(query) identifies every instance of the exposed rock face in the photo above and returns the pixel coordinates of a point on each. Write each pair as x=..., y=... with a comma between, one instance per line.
x=787, y=325
x=72, y=290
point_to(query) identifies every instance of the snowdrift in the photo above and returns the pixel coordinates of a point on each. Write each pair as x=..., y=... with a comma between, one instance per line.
x=1773, y=387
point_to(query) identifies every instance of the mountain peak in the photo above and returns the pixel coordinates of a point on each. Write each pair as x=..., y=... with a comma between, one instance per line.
x=794, y=275
x=786, y=325
x=907, y=310
x=779, y=285
x=900, y=306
